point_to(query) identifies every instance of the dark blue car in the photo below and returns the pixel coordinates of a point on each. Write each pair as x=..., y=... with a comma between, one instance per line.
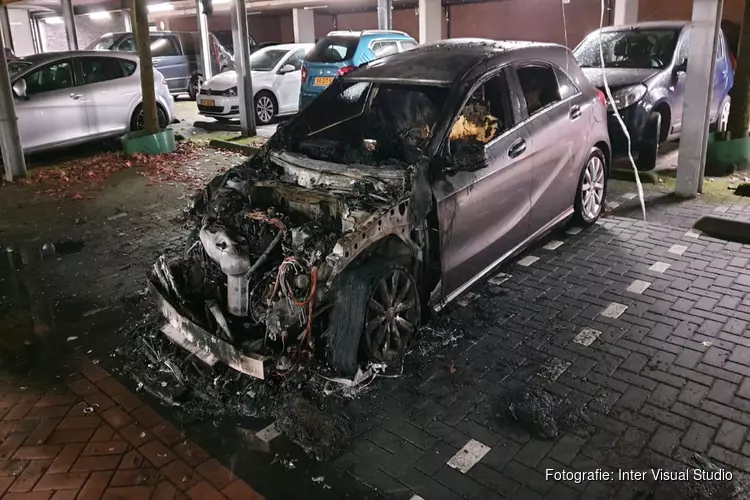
x=646, y=69
x=341, y=51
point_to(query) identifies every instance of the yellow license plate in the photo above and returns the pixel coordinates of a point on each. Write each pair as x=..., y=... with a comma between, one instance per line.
x=323, y=81
x=208, y=102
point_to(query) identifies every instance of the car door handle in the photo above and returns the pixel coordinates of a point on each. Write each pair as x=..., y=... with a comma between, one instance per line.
x=76, y=96
x=517, y=148
x=575, y=112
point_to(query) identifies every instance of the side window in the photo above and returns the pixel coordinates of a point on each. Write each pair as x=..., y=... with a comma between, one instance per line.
x=407, y=45
x=539, y=86
x=126, y=45
x=56, y=76
x=128, y=67
x=101, y=69
x=567, y=87
x=163, y=46
x=485, y=116
x=384, y=48
x=296, y=59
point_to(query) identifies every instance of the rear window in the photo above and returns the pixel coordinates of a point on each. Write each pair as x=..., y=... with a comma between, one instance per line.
x=333, y=49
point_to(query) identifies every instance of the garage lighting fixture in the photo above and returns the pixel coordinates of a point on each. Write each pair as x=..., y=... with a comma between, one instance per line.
x=53, y=20
x=99, y=15
x=160, y=7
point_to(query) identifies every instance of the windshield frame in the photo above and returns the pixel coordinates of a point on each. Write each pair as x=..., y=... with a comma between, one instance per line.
x=593, y=39
x=24, y=66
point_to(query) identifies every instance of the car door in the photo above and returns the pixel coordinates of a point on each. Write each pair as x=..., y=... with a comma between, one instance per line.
x=721, y=77
x=53, y=112
x=166, y=52
x=482, y=192
x=110, y=94
x=558, y=128
x=289, y=84
x=676, y=87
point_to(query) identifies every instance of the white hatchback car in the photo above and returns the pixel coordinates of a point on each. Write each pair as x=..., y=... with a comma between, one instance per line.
x=66, y=98
x=276, y=74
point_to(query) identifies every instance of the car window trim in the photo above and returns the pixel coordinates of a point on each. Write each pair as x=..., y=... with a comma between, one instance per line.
x=548, y=107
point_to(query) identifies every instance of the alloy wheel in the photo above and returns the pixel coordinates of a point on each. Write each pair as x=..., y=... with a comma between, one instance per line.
x=264, y=109
x=393, y=314
x=723, y=123
x=592, y=188
x=141, y=120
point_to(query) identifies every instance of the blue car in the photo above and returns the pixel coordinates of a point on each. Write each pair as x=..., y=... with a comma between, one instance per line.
x=339, y=52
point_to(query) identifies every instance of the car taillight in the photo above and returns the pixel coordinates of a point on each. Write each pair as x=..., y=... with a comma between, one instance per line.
x=602, y=97
x=304, y=74
x=345, y=70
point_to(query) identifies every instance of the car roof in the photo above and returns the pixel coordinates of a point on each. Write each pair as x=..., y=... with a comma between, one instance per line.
x=443, y=63
x=356, y=34
x=649, y=25
x=54, y=56
x=162, y=32
x=288, y=46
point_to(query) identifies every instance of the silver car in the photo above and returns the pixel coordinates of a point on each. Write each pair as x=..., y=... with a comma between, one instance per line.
x=67, y=98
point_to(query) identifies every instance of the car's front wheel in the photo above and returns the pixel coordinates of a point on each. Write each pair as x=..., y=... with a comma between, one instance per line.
x=137, y=121
x=375, y=316
x=722, y=121
x=265, y=108
x=648, y=152
x=592, y=189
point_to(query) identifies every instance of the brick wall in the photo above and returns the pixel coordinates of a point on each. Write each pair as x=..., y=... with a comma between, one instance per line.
x=87, y=30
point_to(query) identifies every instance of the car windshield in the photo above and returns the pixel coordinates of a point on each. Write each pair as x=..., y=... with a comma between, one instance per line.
x=333, y=49
x=370, y=123
x=266, y=59
x=15, y=67
x=103, y=43
x=631, y=48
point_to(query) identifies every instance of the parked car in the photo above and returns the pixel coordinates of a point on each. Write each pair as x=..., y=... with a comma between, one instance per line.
x=646, y=68
x=341, y=51
x=406, y=182
x=262, y=45
x=176, y=54
x=66, y=98
x=276, y=82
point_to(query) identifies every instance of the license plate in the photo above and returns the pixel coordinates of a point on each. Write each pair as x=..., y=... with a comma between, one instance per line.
x=208, y=102
x=323, y=81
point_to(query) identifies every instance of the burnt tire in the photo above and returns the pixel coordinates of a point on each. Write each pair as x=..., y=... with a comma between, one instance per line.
x=592, y=189
x=353, y=328
x=648, y=151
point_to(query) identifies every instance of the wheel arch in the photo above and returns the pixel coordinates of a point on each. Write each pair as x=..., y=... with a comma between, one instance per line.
x=665, y=110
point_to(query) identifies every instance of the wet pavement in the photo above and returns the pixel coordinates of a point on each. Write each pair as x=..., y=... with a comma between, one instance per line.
x=640, y=325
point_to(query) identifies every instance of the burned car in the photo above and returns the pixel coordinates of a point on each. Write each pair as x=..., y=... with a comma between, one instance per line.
x=403, y=184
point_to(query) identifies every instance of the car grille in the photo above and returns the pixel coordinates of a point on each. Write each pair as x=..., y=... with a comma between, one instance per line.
x=211, y=109
x=211, y=92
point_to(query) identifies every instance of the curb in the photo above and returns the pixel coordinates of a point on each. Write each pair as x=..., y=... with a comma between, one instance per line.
x=234, y=147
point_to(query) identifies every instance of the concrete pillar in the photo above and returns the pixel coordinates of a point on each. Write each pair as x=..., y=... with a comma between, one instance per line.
x=304, y=25
x=385, y=14
x=626, y=12
x=430, y=21
x=204, y=40
x=70, y=24
x=126, y=20
x=5, y=27
x=242, y=67
x=704, y=38
x=10, y=140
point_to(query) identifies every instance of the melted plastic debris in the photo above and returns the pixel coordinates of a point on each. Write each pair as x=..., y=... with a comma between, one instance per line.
x=320, y=435
x=542, y=413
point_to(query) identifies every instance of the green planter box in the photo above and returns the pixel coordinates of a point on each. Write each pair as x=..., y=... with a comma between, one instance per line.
x=154, y=144
x=724, y=157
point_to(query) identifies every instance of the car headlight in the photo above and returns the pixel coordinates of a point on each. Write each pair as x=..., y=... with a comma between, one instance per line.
x=628, y=96
x=230, y=92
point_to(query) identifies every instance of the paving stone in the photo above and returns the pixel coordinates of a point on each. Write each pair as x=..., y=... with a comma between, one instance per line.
x=731, y=435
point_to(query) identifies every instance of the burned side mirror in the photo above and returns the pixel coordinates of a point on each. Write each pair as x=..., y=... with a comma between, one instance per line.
x=465, y=156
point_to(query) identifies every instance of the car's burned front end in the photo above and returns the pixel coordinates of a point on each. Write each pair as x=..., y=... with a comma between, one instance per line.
x=271, y=236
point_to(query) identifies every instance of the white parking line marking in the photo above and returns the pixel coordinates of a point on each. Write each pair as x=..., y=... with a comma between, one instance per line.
x=574, y=230
x=638, y=286
x=468, y=456
x=614, y=310
x=553, y=368
x=587, y=336
x=269, y=433
x=527, y=261
x=499, y=279
x=466, y=299
x=659, y=267
x=721, y=209
x=691, y=233
x=553, y=245
x=613, y=204
x=677, y=249
x=629, y=196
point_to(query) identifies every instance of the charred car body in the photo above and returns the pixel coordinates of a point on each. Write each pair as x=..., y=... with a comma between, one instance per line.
x=402, y=185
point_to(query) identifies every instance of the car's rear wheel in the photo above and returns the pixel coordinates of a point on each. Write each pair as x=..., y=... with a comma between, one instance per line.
x=194, y=86
x=138, y=119
x=266, y=108
x=376, y=313
x=592, y=189
x=648, y=151
x=722, y=121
